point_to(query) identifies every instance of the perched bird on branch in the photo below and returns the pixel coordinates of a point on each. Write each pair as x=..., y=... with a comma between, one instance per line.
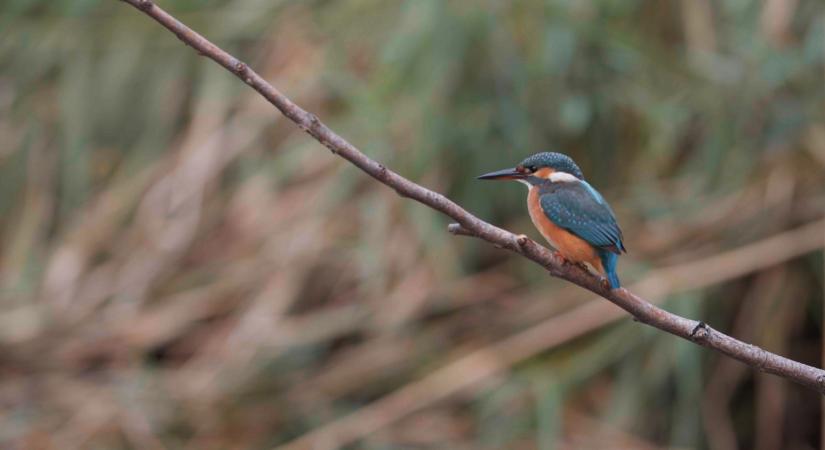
x=568, y=212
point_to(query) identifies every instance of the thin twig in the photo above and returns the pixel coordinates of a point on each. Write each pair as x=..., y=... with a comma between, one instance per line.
x=642, y=310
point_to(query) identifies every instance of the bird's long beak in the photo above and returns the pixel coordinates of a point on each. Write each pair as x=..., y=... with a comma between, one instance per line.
x=506, y=174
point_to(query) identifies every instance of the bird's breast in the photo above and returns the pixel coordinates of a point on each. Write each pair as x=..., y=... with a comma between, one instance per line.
x=571, y=246
x=545, y=226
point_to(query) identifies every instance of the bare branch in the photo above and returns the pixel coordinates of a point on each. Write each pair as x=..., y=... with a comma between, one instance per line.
x=467, y=224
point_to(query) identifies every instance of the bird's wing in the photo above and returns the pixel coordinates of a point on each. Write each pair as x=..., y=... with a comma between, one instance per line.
x=578, y=208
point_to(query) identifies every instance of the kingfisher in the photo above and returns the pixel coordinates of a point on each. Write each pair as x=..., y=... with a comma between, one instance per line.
x=571, y=215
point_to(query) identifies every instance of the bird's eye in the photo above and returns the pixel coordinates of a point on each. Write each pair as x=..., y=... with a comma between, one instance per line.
x=532, y=168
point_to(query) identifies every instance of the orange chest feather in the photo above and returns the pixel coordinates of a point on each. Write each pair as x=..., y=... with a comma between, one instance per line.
x=571, y=246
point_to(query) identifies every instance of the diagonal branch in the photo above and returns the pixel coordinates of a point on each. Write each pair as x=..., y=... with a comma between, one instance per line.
x=468, y=224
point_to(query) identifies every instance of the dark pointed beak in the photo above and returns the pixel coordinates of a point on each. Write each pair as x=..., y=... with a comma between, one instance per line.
x=506, y=174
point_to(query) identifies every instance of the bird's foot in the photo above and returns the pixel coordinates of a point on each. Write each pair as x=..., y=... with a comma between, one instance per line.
x=522, y=239
x=568, y=262
x=606, y=284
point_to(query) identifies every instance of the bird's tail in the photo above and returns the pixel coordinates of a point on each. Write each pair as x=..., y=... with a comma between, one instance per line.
x=609, y=260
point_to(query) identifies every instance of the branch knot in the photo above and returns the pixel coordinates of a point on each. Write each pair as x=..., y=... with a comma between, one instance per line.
x=242, y=70
x=700, y=332
x=314, y=121
x=382, y=171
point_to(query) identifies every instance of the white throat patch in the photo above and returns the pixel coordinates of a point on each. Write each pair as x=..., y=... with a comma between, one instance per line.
x=562, y=177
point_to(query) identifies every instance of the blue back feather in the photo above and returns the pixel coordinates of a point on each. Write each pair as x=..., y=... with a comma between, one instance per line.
x=580, y=209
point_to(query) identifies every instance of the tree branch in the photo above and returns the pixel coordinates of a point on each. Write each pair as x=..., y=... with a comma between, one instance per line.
x=467, y=224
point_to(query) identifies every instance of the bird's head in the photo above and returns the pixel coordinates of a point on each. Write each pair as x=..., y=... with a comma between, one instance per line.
x=537, y=168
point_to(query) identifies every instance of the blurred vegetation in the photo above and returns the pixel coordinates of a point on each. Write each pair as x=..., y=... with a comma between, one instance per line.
x=183, y=268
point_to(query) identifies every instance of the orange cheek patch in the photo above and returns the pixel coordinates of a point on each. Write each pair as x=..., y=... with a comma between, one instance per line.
x=544, y=172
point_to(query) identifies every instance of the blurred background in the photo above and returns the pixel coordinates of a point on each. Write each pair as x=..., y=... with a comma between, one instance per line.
x=182, y=268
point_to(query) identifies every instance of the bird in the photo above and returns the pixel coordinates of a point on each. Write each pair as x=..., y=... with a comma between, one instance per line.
x=568, y=212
